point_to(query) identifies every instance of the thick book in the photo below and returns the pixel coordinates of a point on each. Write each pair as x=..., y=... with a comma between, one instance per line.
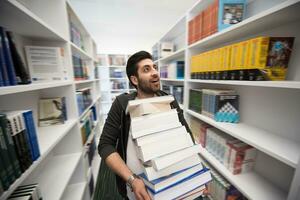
x=3, y=65
x=10, y=146
x=192, y=194
x=140, y=126
x=153, y=174
x=174, y=157
x=160, y=136
x=160, y=184
x=8, y=58
x=32, y=135
x=157, y=149
x=186, y=185
x=51, y=111
x=22, y=73
x=147, y=106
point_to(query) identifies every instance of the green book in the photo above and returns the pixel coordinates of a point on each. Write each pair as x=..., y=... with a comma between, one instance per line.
x=10, y=145
x=5, y=158
x=3, y=175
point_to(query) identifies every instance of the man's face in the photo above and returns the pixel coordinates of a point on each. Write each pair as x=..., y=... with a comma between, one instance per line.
x=148, y=77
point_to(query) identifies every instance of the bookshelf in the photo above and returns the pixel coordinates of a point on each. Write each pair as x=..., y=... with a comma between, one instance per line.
x=61, y=164
x=268, y=108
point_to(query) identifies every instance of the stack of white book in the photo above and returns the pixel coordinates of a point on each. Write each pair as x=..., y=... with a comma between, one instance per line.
x=165, y=156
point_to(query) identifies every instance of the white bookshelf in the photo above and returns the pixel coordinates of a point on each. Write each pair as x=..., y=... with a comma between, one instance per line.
x=59, y=170
x=269, y=109
x=172, y=79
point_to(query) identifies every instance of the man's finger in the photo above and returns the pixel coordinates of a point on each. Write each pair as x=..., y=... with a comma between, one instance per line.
x=139, y=196
x=145, y=195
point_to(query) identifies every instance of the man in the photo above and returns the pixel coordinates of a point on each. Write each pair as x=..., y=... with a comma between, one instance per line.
x=113, y=147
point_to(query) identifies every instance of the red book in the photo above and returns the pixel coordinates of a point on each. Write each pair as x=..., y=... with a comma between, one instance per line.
x=190, y=33
x=214, y=17
x=198, y=26
x=206, y=23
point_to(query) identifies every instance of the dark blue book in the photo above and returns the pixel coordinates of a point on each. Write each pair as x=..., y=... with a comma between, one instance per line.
x=94, y=113
x=32, y=135
x=3, y=68
x=8, y=58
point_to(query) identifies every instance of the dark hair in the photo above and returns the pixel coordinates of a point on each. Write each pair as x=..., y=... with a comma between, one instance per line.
x=131, y=67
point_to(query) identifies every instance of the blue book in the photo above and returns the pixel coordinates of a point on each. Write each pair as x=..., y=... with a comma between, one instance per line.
x=166, y=182
x=230, y=12
x=31, y=134
x=180, y=69
x=182, y=187
x=8, y=59
x=3, y=68
x=94, y=113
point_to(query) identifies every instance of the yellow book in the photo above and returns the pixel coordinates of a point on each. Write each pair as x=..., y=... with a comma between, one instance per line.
x=234, y=56
x=243, y=54
x=222, y=59
x=227, y=58
x=258, y=52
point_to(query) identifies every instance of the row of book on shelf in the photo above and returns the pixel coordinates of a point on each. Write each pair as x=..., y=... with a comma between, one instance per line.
x=163, y=49
x=259, y=58
x=175, y=90
x=81, y=70
x=111, y=59
x=88, y=123
x=165, y=155
x=27, y=192
x=217, y=16
x=173, y=70
x=76, y=36
x=219, y=104
x=84, y=99
x=19, y=146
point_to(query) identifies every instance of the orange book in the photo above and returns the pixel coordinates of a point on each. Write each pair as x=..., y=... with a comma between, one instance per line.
x=198, y=21
x=214, y=17
x=190, y=33
x=205, y=24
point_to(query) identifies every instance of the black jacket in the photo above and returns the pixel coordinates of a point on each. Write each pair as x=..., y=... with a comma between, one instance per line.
x=115, y=132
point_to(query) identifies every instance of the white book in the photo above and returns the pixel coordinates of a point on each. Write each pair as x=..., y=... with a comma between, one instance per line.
x=140, y=107
x=172, y=158
x=157, y=149
x=160, y=136
x=164, y=182
x=148, y=124
x=46, y=63
x=193, y=194
x=184, y=187
x=152, y=174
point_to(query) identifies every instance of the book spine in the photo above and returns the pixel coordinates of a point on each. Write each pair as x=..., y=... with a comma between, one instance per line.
x=22, y=74
x=3, y=66
x=64, y=108
x=6, y=162
x=31, y=131
x=10, y=146
x=8, y=59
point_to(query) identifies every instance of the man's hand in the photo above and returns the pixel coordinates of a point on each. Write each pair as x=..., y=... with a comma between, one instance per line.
x=139, y=190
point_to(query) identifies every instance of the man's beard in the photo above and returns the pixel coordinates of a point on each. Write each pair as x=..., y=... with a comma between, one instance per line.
x=145, y=87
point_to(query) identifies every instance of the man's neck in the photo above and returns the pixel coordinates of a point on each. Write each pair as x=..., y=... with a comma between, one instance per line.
x=142, y=95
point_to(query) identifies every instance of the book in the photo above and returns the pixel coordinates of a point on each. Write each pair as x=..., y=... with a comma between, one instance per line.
x=195, y=101
x=230, y=12
x=182, y=187
x=140, y=126
x=51, y=111
x=32, y=135
x=46, y=63
x=8, y=58
x=164, y=182
x=21, y=70
x=10, y=146
x=4, y=81
x=140, y=107
x=5, y=165
x=192, y=194
x=1, y=187
x=159, y=148
x=153, y=174
x=174, y=157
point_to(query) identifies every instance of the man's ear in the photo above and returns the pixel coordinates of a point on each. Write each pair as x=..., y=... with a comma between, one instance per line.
x=134, y=80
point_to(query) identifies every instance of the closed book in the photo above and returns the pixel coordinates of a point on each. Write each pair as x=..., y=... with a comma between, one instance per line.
x=160, y=136
x=184, y=186
x=153, y=174
x=22, y=73
x=146, y=106
x=6, y=162
x=174, y=157
x=8, y=59
x=10, y=146
x=3, y=65
x=32, y=135
x=154, y=150
x=192, y=194
x=140, y=126
x=164, y=182
x=4, y=179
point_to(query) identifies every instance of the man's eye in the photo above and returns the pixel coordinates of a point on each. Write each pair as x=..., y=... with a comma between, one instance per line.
x=146, y=69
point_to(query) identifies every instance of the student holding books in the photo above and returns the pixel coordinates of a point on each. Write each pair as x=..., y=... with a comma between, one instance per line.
x=114, y=145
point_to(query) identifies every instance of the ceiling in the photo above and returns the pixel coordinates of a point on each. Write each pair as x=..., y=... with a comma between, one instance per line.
x=127, y=26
